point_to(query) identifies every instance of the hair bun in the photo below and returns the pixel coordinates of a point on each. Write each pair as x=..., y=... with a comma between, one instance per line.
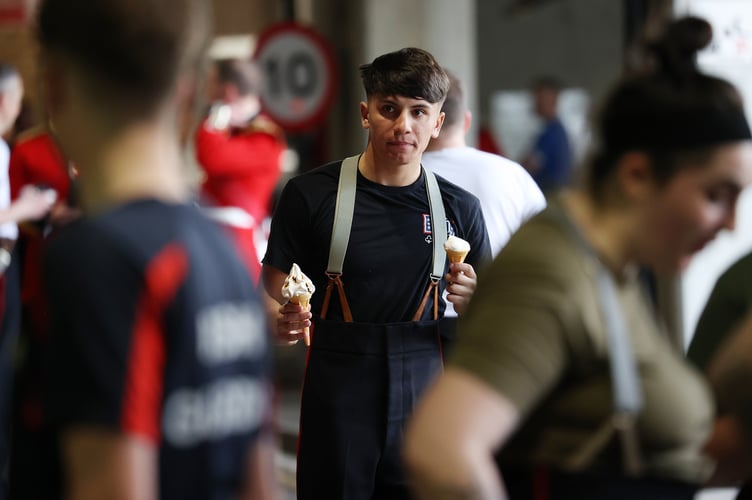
x=677, y=49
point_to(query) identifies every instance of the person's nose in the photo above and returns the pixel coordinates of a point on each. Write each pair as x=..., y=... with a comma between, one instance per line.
x=729, y=221
x=403, y=124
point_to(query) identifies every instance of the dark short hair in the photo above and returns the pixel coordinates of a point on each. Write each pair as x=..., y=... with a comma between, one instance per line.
x=673, y=112
x=408, y=72
x=454, y=106
x=242, y=73
x=131, y=50
x=547, y=82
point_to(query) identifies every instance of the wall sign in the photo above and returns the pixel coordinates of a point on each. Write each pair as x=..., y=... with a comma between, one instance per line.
x=301, y=75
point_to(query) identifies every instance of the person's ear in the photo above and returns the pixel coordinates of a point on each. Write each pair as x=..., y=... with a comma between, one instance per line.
x=635, y=175
x=364, y=116
x=467, y=122
x=439, y=123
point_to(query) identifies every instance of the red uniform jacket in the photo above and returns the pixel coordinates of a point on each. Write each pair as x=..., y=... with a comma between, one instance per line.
x=36, y=160
x=242, y=167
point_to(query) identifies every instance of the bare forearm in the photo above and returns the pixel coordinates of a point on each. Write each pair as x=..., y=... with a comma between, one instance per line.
x=273, y=279
x=103, y=464
x=450, y=441
x=261, y=483
x=478, y=485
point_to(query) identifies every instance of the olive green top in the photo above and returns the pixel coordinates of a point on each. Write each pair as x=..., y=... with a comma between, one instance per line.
x=535, y=332
x=728, y=304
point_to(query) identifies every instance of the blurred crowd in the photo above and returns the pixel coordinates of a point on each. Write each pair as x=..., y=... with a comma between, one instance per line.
x=473, y=327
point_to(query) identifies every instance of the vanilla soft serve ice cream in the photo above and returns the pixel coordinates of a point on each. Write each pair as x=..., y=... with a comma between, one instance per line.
x=456, y=249
x=297, y=284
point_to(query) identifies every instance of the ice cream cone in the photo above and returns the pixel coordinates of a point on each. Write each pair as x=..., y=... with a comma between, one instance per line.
x=456, y=249
x=304, y=300
x=456, y=257
x=298, y=289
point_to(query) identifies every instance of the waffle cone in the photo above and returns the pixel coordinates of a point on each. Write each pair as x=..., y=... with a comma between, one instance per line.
x=456, y=257
x=304, y=300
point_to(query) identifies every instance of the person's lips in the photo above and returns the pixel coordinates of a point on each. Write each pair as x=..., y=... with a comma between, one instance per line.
x=400, y=144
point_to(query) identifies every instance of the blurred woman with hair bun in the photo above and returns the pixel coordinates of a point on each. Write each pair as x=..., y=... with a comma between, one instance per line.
x=562, y=377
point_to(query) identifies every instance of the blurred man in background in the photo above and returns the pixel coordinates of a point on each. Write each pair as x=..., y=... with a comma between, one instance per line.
x=550, y=161
x=240, y=150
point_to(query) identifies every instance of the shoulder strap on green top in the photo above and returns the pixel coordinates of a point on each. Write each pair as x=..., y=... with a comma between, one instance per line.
x=625, y=381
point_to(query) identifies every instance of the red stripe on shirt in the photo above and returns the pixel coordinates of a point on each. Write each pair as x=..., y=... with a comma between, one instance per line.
x=142, y=399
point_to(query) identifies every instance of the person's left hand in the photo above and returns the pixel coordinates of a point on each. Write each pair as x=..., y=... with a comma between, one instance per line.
x=461, y=283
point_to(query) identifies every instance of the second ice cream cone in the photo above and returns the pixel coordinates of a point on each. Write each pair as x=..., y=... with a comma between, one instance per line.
x=456, y=257
x=456, y=249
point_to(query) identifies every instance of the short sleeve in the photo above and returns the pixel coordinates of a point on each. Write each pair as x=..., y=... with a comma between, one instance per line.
x=513, y=336
x=290, y=235
x=92, y=290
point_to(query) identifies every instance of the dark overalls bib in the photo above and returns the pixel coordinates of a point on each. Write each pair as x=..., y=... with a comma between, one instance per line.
x=363, y=380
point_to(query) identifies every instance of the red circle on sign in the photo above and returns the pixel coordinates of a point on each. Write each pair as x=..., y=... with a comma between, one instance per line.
x=305, y=115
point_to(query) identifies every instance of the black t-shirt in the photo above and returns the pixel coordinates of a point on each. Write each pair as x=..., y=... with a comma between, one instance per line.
x=157, y=332
x=389, y=256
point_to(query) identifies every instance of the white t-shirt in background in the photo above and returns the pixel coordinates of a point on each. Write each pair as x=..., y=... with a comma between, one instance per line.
x=508, y=195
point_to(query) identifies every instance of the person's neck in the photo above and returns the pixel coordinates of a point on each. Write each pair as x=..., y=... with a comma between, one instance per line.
x=383, y=172
x=607, y=231
x=447, y=139
x=141, y=162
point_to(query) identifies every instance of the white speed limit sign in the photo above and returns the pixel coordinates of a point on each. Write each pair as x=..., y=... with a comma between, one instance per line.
x=300, y=75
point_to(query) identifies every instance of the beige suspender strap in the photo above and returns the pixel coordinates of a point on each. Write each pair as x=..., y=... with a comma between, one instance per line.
x=438, y=237
x=438, y=225
x=343, y=217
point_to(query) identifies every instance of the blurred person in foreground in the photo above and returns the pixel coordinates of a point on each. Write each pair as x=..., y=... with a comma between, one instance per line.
x=158, y=355
x=380, y=269
x=508, y=195
x=240, y=150
x=562, y=382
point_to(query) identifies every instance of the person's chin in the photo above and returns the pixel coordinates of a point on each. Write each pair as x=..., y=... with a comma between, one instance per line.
x=404, y=157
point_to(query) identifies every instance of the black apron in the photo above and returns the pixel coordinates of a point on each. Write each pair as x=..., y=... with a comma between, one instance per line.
x=363, y=380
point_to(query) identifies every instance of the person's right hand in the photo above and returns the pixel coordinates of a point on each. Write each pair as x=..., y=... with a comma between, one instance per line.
x=291, y=321
x=61, y=214
x=33, y=203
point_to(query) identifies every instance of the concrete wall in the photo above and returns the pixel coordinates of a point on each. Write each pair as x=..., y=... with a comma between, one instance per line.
x=577, y=41
x=245, y=16
x=446, y=28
